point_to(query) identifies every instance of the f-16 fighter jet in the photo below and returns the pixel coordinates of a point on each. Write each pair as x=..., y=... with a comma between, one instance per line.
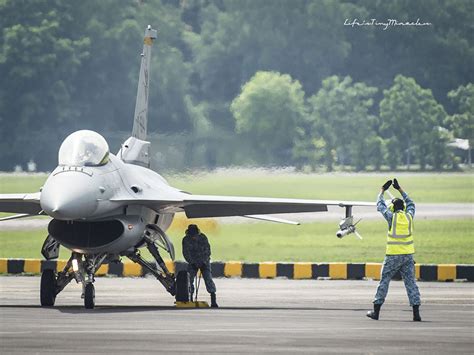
x=105, y=206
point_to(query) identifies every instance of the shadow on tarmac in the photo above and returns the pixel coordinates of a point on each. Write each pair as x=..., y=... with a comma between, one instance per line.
x=129, y=309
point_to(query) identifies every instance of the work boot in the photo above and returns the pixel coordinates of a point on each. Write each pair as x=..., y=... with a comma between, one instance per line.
x=416, y=314
x=375, y=313
x=213, y=300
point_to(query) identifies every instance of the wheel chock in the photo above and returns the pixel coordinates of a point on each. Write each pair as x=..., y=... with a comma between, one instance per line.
x=197, y=304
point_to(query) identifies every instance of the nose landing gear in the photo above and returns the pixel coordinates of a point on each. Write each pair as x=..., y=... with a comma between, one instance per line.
x=76, y=268
x=89, y=296
x=85, y=274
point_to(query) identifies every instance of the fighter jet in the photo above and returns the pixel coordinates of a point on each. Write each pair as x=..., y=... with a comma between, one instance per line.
x=105, y=206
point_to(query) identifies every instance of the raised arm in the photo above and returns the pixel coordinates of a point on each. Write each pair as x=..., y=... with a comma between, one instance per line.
x=409, y=204
x=381, y=205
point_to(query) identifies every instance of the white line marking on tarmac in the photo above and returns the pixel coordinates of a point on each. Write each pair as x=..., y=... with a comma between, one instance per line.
x=271, y=330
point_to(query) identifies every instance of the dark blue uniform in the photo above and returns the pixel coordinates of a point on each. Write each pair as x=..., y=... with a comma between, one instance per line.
x=197, y=252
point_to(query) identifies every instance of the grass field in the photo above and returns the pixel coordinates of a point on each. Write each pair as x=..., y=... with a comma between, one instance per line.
x=447, y=241
x=431, y=187
x=422, y=187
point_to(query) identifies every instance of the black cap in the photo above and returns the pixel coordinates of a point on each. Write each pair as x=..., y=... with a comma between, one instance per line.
x=192, y=229
x=398, y=204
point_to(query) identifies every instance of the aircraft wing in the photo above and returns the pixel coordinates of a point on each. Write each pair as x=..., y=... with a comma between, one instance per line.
x=197, y=206
x=20, y=203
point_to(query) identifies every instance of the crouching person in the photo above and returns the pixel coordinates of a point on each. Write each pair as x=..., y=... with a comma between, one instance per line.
x=197, y=252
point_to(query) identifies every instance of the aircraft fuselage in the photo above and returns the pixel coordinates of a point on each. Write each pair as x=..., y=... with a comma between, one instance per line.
x=86, y=217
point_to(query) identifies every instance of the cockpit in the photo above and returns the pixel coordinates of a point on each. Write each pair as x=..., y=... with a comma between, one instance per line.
x=84, y=148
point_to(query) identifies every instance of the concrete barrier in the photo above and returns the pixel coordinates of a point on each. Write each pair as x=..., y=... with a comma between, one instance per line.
x=333, y=271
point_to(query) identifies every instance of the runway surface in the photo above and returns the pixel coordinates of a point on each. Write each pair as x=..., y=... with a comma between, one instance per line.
x=268, y=316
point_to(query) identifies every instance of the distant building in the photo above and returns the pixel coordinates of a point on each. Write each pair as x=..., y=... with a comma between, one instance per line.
x=31, y=166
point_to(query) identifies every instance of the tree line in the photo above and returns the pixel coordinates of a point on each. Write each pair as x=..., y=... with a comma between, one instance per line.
x=233, y=82
x=336, y=125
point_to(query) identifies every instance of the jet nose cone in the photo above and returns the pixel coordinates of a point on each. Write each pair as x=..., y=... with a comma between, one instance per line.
x=69, y=195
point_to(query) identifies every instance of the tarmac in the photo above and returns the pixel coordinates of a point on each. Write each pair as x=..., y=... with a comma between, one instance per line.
x=279, y=316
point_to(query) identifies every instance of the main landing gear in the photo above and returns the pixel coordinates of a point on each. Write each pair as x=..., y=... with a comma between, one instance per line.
x=154, y=237
x=183, y=287
x=82, y=268
x=48, y=288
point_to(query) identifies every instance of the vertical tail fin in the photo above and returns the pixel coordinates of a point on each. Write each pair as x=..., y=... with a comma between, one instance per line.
x=140, y=119
x=135, y=150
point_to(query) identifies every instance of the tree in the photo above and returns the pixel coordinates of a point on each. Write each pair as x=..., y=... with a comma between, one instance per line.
x=107, y=81
x=267, y=112
x=339, y=114
x=38, y=64
x=462, y=123
x=393, y=154
x=438, y=56
x=410, y=119
x=439, y=155
x=375, y=151
x=69, y=65
x=235, y=39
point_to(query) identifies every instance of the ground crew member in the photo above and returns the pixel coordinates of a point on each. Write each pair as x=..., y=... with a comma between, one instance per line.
x=197, y=252
x=400, y=250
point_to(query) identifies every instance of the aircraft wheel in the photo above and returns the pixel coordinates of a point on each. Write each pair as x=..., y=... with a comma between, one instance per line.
x=89, y=296
x=48, y=288
x=182, y=286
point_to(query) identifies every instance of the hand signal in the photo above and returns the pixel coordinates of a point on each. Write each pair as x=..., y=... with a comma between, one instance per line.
x=386, y=185
x=395, y=184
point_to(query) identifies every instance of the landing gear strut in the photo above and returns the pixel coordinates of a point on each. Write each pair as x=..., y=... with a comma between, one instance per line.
x=155, y=236
x=160, y=271
x=84, y=272
x=50, y=249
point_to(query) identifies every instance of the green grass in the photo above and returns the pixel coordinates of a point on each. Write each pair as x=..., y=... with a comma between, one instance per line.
x=438, y=241
x=11, y=183
x=424, y=188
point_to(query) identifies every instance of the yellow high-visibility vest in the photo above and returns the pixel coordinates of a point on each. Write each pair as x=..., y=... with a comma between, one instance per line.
x=400, y=235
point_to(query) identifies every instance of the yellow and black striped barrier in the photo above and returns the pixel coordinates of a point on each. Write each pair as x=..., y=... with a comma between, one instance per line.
x=333, y=271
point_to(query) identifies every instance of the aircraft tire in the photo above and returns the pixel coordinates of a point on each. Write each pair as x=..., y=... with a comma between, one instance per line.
x=89, y=296
x=48, y=288
x=182, y=286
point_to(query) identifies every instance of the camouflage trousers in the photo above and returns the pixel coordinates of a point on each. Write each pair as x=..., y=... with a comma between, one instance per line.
x=206, y=275
x=406, y=265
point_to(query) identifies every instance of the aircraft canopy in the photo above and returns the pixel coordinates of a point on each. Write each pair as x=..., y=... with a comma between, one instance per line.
x=84, y=148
